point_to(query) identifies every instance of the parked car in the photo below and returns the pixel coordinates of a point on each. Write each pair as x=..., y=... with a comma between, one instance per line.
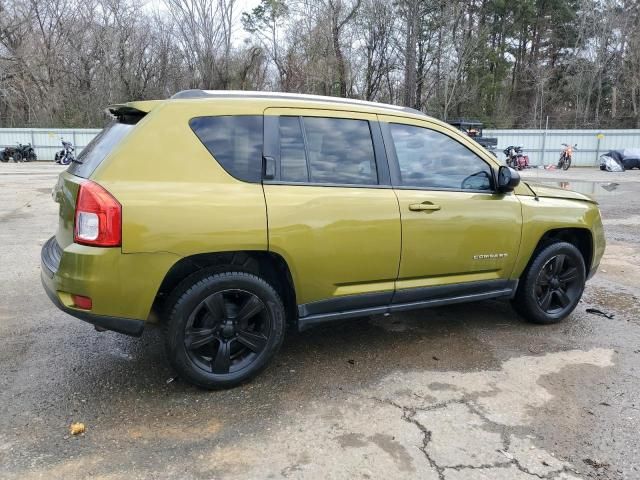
x=226, y=216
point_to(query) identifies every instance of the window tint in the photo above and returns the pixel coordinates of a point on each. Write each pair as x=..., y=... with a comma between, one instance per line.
x=293, y=160
x=340, y=151
x=234, y=141
x=430, y=159
x=97, y=150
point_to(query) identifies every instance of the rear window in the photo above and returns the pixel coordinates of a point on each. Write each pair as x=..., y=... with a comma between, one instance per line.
x=235, y=141
x=97, y=150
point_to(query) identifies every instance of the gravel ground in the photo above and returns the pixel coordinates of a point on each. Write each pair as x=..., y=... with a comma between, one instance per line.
x=463, y=392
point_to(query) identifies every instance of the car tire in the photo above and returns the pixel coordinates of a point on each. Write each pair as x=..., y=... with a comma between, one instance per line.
x=223, y=328
x=552, y=285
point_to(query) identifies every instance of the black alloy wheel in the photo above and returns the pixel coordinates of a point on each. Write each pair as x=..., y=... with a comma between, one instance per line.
x=223, y=328
x=558, y=284
x=552, y=285
x=227, y=331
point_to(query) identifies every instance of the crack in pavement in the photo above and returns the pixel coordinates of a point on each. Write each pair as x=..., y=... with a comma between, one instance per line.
x=409, y=415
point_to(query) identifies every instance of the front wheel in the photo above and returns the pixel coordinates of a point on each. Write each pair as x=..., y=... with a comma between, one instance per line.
x=552, y=285
x=17, y=157
x=566, y=164
x=224, y=329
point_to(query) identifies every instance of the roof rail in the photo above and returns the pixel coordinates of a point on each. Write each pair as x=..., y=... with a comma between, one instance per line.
x=196, y=93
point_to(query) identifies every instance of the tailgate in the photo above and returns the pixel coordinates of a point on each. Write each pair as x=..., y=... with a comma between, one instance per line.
x=65, y=193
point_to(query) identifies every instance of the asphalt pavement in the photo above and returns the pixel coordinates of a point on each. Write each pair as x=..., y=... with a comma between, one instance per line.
x=463, y=392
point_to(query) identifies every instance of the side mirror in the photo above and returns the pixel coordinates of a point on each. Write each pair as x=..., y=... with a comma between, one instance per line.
x=508, y=179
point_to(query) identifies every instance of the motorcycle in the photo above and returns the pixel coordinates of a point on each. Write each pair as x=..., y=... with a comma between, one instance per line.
x=25, y=153
x=6, y=154
x=566, y=156
x=516, y=158
x=65, y=156
x=21, y=153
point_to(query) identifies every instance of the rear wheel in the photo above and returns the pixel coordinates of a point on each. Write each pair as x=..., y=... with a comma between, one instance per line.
x=552, y=285
x=223, y=329
x=17, y=157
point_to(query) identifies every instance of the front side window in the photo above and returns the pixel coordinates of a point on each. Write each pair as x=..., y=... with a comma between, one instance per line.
x=430, y=159
x=235, y=141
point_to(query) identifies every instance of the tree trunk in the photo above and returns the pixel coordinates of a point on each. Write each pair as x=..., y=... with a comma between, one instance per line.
x=342, y=70
x=409, y=99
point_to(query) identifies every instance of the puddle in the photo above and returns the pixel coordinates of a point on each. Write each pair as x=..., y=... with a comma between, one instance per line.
x=597, y=189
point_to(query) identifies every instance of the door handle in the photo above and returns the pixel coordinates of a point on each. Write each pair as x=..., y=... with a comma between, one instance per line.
x=424, y=207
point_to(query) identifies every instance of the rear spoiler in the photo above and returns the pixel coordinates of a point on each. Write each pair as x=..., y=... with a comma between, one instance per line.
x=131, y=112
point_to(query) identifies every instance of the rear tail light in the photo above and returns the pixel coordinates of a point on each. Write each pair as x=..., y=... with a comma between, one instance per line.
x=98, y=217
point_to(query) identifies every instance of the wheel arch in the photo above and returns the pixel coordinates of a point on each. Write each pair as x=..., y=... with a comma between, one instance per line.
x=268, y=265
x=581, y=238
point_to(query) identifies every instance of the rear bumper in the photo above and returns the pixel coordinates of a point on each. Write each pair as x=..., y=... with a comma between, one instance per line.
x=122, y=287
x=116, y=324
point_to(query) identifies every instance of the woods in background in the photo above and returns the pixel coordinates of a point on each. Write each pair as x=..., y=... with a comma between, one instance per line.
x=510, y=63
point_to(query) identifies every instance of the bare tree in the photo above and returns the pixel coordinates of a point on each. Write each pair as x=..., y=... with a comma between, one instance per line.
x=509, y=63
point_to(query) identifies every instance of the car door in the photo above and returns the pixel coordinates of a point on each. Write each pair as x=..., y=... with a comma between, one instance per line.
x=331, y=211
x=460, y=236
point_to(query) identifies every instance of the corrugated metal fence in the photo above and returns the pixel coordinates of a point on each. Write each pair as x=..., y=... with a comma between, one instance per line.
x=47, y=141
x=543, y=147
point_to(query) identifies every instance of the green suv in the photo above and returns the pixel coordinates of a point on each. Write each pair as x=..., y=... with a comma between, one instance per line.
x=225, y=216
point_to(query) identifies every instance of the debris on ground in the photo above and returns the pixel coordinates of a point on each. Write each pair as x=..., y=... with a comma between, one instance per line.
x=537, y=349
x=506, y=454
x=77, y=428
x=595, y=463
x=609, y=187
x=595, y=311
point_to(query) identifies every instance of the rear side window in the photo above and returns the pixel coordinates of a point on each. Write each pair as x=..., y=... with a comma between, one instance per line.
x=293, y=159
x=235, y=141
x=326, y=150
x=97, y=150
x=340, y=151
